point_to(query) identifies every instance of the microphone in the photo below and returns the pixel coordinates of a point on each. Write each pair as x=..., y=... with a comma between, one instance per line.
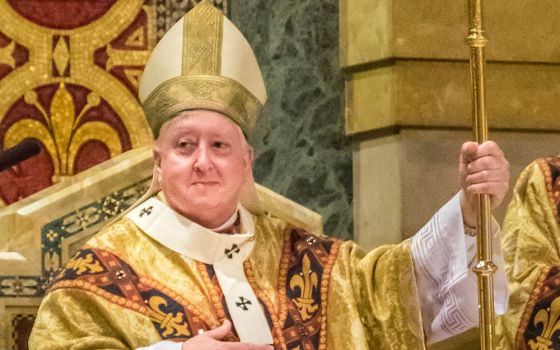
x=20, y=152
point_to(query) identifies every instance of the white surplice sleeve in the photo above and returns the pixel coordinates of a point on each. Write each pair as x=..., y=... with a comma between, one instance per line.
x=443, y=260
x=163, y=345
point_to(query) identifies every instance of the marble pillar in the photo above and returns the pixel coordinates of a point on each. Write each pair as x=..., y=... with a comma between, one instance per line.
x=302, y=151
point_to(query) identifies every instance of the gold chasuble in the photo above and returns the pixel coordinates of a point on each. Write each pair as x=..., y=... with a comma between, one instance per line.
x=126, y=290
x=532, y=257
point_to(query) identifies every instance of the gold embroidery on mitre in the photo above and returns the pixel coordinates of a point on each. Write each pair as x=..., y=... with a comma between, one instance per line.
x=202, y=46
x=87, y=264
x=171, y=324
x=306, y=281
x=549, y=318
x=215, y=93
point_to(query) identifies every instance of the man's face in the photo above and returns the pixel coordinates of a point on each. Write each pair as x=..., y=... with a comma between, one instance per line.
x=202, y=162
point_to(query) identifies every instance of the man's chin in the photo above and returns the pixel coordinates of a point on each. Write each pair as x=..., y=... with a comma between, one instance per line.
x=204, y=203
x=201, y=206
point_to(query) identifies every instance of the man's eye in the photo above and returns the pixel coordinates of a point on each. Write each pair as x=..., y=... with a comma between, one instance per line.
x=184, y=144
x=219, y=144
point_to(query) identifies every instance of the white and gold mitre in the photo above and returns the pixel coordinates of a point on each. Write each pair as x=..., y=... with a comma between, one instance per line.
x=202, y=62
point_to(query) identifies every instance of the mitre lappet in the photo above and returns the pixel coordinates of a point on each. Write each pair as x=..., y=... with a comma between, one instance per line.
x=204, y=62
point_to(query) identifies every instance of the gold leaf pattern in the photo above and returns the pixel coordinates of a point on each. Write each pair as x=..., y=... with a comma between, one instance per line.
x=65, y=137
x=61, y=56
x=94, y=131
x=126, y=58
x=137, y=38
x=44, y=58
x=6, y=53
x=62, y=114
x=133, y=76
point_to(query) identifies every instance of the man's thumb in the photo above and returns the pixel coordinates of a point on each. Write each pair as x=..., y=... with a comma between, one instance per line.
x=468, y=152
x=220, y=332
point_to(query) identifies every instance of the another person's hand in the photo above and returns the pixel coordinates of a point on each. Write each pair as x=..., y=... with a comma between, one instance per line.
x=213, y=340
x=484, y=170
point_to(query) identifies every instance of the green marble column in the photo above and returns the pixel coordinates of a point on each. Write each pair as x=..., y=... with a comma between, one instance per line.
x=302, y=151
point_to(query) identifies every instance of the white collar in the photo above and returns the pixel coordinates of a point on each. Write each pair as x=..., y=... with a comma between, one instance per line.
x=187, y=237
x=228, y=223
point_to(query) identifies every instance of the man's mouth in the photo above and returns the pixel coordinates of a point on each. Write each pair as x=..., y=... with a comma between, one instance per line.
x=205, y=183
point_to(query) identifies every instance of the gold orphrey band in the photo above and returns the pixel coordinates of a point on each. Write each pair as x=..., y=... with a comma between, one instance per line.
x=202, y=48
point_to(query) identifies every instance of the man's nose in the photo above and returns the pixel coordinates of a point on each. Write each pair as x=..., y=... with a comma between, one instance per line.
x=202, y=162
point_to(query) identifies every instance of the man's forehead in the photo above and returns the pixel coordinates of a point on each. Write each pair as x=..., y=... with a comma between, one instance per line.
x=200, y=121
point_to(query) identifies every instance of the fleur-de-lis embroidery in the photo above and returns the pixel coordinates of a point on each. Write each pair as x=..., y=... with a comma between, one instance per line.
x=172, y=324
x=306, y=281
x=87, y=264
x=550, y=324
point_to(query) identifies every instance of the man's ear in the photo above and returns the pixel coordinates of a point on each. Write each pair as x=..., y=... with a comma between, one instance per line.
x=249, y=159
x=157, y=156
x=157, y=163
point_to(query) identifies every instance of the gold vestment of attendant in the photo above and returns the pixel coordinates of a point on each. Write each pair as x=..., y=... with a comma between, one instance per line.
x=531, y=250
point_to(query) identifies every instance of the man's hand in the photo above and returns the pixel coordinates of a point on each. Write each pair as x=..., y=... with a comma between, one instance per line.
x=212, y=340
x=484, y=170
